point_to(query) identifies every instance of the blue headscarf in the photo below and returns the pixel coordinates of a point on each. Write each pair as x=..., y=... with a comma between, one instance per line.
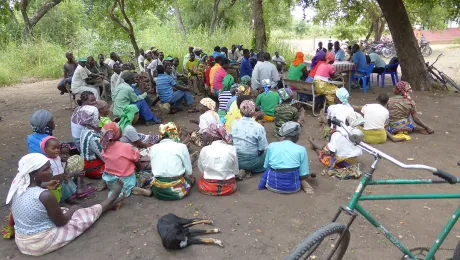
x=342, y=95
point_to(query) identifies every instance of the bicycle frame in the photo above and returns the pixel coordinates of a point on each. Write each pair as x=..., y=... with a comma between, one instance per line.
x=354, y=206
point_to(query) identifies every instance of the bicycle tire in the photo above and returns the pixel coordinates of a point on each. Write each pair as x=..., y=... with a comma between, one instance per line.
x=449, y=82
x=317, y=237
x=426, y=51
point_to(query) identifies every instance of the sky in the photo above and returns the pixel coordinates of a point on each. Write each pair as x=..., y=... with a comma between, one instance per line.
x=297, y=13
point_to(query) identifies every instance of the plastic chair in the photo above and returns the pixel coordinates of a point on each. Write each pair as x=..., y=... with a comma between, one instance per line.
x=391, y=69
x=364, y=75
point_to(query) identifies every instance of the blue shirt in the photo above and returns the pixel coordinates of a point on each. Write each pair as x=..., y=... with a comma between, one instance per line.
x=359, y=59
x=216, y=53
x=248, y=136
x=339, y=55
x=245, y=68
x=164, y=87
x=287, y=155
x=33, y=142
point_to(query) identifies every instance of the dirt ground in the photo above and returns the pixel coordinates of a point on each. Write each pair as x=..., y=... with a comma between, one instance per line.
x=255, y=224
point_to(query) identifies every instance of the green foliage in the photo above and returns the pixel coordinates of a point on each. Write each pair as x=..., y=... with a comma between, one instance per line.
x=456, y=40
x=347, y=32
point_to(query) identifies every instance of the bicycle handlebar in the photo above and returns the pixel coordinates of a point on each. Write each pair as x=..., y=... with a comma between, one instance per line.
x=377, y=153
x=436, y=59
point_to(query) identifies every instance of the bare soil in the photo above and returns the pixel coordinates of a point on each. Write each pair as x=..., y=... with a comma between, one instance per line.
x=255, y=224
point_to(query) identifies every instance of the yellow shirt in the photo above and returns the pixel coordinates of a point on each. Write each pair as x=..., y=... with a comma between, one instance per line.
x=212, y=73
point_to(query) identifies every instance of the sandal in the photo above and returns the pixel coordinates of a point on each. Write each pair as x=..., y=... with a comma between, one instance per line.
x=194, y=110
x=88, y=191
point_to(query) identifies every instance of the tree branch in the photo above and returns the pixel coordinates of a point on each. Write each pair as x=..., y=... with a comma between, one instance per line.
x=23, y=7
x=123, y=13
x=42, y=11
x=115, y=19
x=222, y=13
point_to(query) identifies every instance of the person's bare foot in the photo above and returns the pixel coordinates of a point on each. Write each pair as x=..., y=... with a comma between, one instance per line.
x=101, y=186
x=306, y=187
x=116, y=204
x=117, y=188
x=141, y=192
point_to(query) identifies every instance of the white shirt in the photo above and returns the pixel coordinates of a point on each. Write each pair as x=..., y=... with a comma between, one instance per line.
x=140, y=59
x=339, y=111
x=79, y=76
x=208, y=118
x=111, y=63
x=218, y=161
x=237, y=56
x=113, y=81
x=341, y=146
x=56, y=166
x=278, y=59
x=153, y=66
x=375, y=116
x=170, y=159
x=264, y=70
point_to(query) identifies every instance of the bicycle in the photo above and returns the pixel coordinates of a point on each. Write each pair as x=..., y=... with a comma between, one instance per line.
x=440, y=77
x=308, y=248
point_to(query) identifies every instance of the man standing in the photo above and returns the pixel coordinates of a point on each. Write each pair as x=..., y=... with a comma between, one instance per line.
x=170, y=92
x=140, y=60
x=320, y=47
x=191, y=69
x=114, y=58
x=245, y=67
x=339, y=53
x=100, y=81
x=152, y=67
x=79, y=78
x=197, y=51
x=114, y=78
x=264, y=70
x=279, y=61
x=359, y=59
x=69, y=68
x=234, y=54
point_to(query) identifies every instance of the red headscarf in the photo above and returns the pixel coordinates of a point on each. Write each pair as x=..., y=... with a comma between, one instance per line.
x=405, y=89
x=330, y=57
x=298, y=59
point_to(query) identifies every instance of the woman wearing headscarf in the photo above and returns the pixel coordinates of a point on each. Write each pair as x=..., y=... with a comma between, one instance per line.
x=87, y=98
x=120, y=161
x=171, y=165
x=217, y=162
x=403, y=113
x=250, y=140
x=90, y=145
x=317, y=60
x=41, y=226
x=268, y=100
x=42, y=126
x=208, y=116
x=324, y=73
x=286, y=163
x=340, y=110
x=234, y=112
x=285, y=111
x=298, y=70
x=244, y=89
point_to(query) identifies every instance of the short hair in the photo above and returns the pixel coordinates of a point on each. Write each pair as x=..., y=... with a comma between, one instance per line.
x=267, y=56
x=113, y=55
x=383, y=99
x=245, y=51
x=190, y=48
x=217, y=48
x=218, y=59
x=225, y=61
x=128, y=76
x=100, y=55
x=240, y=100
x=161, y=69
x=89, y=58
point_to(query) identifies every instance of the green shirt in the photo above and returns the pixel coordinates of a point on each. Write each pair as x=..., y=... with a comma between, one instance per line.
x=268, y=102
x=284, y=113
x=295, y=72
x=104, y=120
x=124, y=95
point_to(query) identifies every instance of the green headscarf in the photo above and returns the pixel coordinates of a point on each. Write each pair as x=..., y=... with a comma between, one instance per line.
x=245, y=79
x=127, y=116
x=228, y=82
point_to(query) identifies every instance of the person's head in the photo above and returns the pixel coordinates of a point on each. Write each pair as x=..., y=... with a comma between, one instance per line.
x=42, y=122
x=383, y=99
x=290, y=131
x=320, y=44
x=82, y=61
x=217, y=49
x=277, y=54
x=69, y=56
x=110, y=133
x=190, y=49
x=160, y=69
x=245, y=80
x=64, y=152
x=101, y=59
x=33, y=167
x=129, y=77
x=117, y=68
x=207, y=104
x=260, y=56
x=403, y=88
x=141, y=51
x=161, y=55
x=336, y=45
x=330, y=57
x=197, y=51
x=90, y=61
x=129, y=116
x=354, y=48
x=89, y=117
x=286, y=95
x=219, y=59
x=148, y=55
x=168, y=69
x=169, y=131
x=233, y=47
x=215, y=132
x=192, y=56
x=341, y=96
x=330, y=45
x=113, y=56
x=87, y=98
x=267, y=56
x=247, y=108
x=176, y=62
x=226, y=63
x=348, y=50
x=246, y=53
x=103, y=108
x=50, y=146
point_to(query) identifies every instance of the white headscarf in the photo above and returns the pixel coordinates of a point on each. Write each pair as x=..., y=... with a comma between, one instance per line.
x=28, y=163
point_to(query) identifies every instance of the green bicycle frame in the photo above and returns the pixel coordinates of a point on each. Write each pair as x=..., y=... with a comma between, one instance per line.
x=366, y=181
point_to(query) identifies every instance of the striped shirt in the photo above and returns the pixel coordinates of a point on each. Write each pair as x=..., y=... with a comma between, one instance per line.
x=164, y=87
x=90, y=145
x=224, y=97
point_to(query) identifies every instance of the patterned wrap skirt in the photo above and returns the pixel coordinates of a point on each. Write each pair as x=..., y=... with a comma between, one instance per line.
x=172, y=188
x=217, y=187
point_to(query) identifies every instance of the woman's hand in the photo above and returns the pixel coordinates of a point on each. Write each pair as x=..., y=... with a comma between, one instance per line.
x=52, y=185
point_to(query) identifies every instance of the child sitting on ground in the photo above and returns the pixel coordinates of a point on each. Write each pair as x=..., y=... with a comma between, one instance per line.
x=104, y=112
x=208, y=116
x=268, y=100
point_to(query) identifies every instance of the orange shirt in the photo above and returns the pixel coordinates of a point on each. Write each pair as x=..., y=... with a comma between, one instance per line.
x=120, y=159
x=212, y=74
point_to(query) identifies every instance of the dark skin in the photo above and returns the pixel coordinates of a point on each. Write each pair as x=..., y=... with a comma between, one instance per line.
x=336, y=46
x=202, y=110
x=101, y=60
x=192, y=59
x=117, y=68
x=92, y=75
x=70, y=60
x=104, y=111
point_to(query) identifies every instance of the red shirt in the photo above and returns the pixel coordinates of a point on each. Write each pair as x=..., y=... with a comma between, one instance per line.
x=313, y=71
x=208, y=80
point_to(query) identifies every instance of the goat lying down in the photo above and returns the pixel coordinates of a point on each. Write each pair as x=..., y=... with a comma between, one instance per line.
x=175, y=233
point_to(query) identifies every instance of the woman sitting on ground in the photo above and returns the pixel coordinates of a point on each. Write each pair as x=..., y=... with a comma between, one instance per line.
x=285, y=111
x=171, y=165
x=403, y=113
x=208, y=116
x=120, y=161
x=268, y=100
x=87, y=98
x=42, y=126
x=220, y=76
x=298, y=70
x=323, y=73
x=341, y=109
x=234, y=112
x=286, y=163
x=40, y=225
x=217, y=162
x=250, y=141
x=90, y=145
x=129, y=117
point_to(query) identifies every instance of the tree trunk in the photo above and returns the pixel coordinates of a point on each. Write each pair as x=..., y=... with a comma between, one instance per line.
x=180, y=23
x=129, y=28
x=378, y=30
x=412, y=63
x=29, y=23
x=371, y=29
x=222, y=12
x=259, y=25
x=215, y=10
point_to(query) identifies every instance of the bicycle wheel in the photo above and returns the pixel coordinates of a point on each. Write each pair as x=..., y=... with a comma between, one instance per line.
x=426, y=51
x=387, y=53
x=310, y=248
x=449, y=82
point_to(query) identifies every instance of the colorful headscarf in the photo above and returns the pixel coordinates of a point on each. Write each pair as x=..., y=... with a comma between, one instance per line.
x=247, y=108
x=290, y=129
x=285, y=93
x=127, y=116
x=39, y=121
x=405, y=89
x=209, y=103
x=211, y=61
x=75, y=163
x=342, y=95
x=169, y=131
x=228, y=81
x=217, y=131
x=266, y=85
x=29, y=163
x=330, y=57
x=88, y=116
x=318, y=56
x=355, y=119
x=110, y=133
x=298, y=59
x=245, y=79
x=100, y=104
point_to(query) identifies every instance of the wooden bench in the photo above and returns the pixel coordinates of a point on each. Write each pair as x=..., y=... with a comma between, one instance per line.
x=302, y=87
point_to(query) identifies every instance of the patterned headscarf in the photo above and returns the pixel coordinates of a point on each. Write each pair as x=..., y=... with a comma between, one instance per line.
x=127, y=116
x=43, y=142
x=405, y=89
x=100, y=104
x=298, y=59
x=318, y=56
x=266, y=84
x=355, y=119
x=247, y=108
x=209, y=103
x=169, y=131
x=88, y=116
x=242, y=91
x=211, y=61
x=75, y=163
x=290, y=129
x=110, y=133
x=342, y=94
x=330, y=57
x=39, y=121
x=245, y=79
x=285, y=93
x=228, y=81
x=217, y=131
